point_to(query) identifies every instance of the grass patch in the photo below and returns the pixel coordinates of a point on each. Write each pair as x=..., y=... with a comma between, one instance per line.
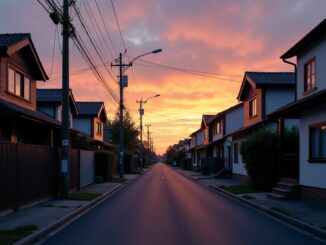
x=248, y=197
x=323, y=228
x=83, y=196
x=10, y=236
x=238, y=189
x=118, y=180
x=281, y=210
x=136, y=171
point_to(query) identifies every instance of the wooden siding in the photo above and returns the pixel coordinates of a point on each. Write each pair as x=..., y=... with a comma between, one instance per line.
x=19, y=63
x=258, y=93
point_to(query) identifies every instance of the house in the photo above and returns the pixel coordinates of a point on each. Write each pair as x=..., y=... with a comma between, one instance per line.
x=90, y=120
x=49, y=101
x=261, y=93
x=310, y=109
x=221, y=127
x=20, y=68
x=199, y=142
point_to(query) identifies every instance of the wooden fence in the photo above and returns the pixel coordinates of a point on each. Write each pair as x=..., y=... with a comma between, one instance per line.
x=31, y=172
x=27, y=173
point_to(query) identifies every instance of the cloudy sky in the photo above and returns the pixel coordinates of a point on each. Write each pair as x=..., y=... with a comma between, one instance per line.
x=207, y=46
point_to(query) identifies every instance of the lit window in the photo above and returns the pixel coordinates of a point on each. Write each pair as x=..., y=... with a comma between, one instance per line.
x=218, y=127
x=310, y=75
x=99, y=128
x=253, y=107
x=318, y=142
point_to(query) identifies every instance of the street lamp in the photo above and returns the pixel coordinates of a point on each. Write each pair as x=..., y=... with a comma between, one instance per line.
x=141, y=113
x=122, y=68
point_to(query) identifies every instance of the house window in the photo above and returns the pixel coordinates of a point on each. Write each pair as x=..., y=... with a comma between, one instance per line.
x=310, y=75
x=18, y=84
x=236, y=152
x=218, y=127
x=99, y=128
x=253, y=107
x=318, y=142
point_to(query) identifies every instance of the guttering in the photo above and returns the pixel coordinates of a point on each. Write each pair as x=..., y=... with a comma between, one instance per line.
x=295, y=76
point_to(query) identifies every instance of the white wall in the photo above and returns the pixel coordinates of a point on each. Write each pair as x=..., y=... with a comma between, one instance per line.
x=48, y=110
x=200, y=138
x=320, y=53
x=83, y=125
x=276, y=98
x=311, y=174
x=234, y=120
x=238, y=168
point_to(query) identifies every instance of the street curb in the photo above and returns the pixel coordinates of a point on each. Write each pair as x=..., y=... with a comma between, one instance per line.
x=53, y=226
x=295, y=222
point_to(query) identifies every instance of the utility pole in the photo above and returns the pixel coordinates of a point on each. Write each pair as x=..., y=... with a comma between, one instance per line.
x=122, y=83
x=148, y=139
x=141, y=113
x=65, y=102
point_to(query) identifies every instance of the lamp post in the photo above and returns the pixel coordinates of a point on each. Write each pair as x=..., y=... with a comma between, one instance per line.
x=141, y=113
x=122, y=83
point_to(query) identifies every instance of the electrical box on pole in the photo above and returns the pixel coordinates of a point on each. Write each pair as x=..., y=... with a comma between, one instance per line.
x=124, y=81
x=141, y=111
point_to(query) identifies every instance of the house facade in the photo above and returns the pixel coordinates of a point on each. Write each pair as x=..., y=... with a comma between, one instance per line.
x=91, y=119
x=261, y=93
x=310, y=109
x=20, y=68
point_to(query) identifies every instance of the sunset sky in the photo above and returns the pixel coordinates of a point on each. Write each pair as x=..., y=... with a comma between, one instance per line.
x=207, y=46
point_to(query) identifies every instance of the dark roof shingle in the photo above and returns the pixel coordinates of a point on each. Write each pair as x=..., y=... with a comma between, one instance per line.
x=7, y=40
x=271, y=78
x=49, y=95
x=89, y=108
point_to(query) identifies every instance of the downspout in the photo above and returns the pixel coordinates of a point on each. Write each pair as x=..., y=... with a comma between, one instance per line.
x=295, y=76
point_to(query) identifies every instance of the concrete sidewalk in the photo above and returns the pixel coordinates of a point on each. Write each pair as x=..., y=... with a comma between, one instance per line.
x=307, y=215
x=52, y=214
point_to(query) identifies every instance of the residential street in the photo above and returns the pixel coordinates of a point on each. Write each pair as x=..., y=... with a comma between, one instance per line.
x=164, y=207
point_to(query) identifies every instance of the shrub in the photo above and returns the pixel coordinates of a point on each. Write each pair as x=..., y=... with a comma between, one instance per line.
x=98, y=179
x=260, y=154
x=204, y=169
x=104, y=164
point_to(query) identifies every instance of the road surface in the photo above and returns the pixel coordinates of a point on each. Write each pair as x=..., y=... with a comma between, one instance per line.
x=163, y=207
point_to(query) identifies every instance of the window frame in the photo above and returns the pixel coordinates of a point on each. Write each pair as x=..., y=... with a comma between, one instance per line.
x=99, y=128
x=319, y=159
x=306, y=76
x=253, y=110
x=22, y=77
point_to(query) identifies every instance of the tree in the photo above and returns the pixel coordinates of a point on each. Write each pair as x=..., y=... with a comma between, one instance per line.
x=130, y=131
x=170, y=155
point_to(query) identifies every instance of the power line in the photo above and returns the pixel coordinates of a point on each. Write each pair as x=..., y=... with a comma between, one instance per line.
x=116, y=18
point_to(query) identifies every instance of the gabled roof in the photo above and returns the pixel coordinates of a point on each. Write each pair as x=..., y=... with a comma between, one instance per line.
x=205, y=119
x=55, y=95
x=92, y=109
x=314, y=35
x=261, y=79
x=11, y=43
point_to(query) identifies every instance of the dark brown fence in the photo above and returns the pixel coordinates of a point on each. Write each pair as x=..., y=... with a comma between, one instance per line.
x=27, y=173
x=74, y=173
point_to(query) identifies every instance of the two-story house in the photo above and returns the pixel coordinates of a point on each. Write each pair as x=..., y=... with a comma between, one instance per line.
x=20, y=68
x=261, y=94
x=90, y=120
x=310, y=108
x=49, y=101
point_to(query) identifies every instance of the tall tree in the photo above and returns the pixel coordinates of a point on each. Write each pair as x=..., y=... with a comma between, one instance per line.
x=130, y=131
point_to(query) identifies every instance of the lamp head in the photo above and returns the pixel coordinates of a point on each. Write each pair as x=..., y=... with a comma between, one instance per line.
x=156, y=51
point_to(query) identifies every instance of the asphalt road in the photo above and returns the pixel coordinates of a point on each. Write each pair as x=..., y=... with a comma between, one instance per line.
x=163, y=207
